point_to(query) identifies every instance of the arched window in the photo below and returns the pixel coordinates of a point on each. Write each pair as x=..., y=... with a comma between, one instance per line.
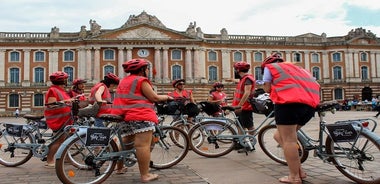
x=258, y=56
x=316, y=73
x=39, y=75
x=109, y=54
x=38, y=100
x=297, y=57
x=258, y=74
x=14, y=75
x=70, y=71
x=14, y=100
x=337, y=57
x=337, y=71
x=68, y=55
x=363, y=56
x=39, y=56
x=238, y=56
x=315, y=58
x=176, y=72
x=14, y=56
x=212, y=73
x=212, y=56
x=364, y=73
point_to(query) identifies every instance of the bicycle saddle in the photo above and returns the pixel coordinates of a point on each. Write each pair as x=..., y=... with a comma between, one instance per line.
x=33, y=117
x=325, y=106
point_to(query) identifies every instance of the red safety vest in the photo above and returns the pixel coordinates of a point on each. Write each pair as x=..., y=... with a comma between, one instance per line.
x=73, y=93
x=219, y=96
x=239, y=92
x=106, y=96
x=56, y=116
x=131, y=103
x=293, y=84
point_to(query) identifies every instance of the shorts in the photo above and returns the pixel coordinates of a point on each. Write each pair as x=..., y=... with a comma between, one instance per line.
x=293, y=114
x=246, y=119
x=134, y=127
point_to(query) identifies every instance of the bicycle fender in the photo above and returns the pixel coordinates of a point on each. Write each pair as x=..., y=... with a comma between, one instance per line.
x=359, y=128
x=80, y=132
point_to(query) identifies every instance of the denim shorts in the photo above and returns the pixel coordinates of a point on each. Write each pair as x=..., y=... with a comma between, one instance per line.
x=135, y=127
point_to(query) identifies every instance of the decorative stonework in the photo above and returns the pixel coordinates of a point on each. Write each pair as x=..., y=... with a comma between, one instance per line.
x=143, y=18
x=360, y=32
x=143, y=33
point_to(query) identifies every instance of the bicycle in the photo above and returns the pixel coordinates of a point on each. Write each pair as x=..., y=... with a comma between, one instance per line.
x=217, y=136
x=20, y=142
x=350, y=145
x=101, y=148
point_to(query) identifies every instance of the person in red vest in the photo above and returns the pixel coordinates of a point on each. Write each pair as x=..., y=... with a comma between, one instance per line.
x=100, y=93
x=295, y=94
x=57, y=116
x=78, y=90
x=218, y=96
x=244, y=90
x=134, y=99
x=180, y=91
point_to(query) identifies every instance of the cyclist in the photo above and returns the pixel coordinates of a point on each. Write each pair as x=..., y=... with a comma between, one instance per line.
x=180, y=92
x=57, y=115
x=218, y=96
x=78, y=89
x=134, y=100
x=244, y=90
x=295, y=94
x=100, y=93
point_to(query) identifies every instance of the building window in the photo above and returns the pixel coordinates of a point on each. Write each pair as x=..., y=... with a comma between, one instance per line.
x=297, y=57
x=39, y=75
x=109, y=69
x=68, y=56
x=337, y=71
x=38, y=100
x=363, y=56
x=316, y=73
x=258, y=73
x=258, y=56
x=15, y=56
x=212, y=73
x=238, y=56
x=176, y=72
x=109, y=54
x=14, y=75
x=176, y=54
x=315, y=58
x=39, y=56
x=338, y=94
x=14, y=100
x=364, y=72
x=70, y=71
x=337, y=57
x=212, y=56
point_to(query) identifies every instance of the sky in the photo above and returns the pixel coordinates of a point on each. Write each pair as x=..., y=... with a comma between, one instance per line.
x=239, y=17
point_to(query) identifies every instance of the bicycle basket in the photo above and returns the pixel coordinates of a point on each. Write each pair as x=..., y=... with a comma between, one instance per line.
x=191, y=110
x=170, y=108
x=89, y=111
x=209, y=108
x=342, y=132
x=262, y=104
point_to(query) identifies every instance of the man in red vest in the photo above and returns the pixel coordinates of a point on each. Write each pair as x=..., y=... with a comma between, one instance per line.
x=295, y=94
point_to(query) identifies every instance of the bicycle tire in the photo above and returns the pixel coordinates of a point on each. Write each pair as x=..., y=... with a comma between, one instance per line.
x=273, y=150
x=11, y=156
x=69, y=173
x=212, y=146
x=168, y=151
x=363, y=165
x=187, y=128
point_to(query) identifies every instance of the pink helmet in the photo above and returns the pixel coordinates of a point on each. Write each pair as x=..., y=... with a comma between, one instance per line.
x=58, y=76
x=217, y=84
x=242, y=65
x=134, y=64
x=271, y=59
x=115, y=79
x=78, y=81
x=175, y=82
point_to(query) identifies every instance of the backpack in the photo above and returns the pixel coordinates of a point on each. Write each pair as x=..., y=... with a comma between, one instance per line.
x=262, y=104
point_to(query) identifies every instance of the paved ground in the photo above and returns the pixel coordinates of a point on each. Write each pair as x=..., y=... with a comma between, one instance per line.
x=233, y=168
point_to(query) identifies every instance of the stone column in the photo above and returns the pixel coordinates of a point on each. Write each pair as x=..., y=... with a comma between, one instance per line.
x=120, y=60
x=90, y=66
x=81, y=71
x=307, y=61
x=248, y=55
x=226, y=65
x=188, y=66
x=377, y=59
x=288, y=56
x=157, y=64
x=2, y=67
x=202, y=66
x=326, y=67
x=129, y=53
x=97, y=70
x=165, y=65
x=372, y=63
x=349, y=66
x=357, y=68
x=26, y=70
x=53, y=60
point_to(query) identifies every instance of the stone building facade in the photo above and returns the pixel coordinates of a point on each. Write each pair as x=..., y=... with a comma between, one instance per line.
x=347, y=67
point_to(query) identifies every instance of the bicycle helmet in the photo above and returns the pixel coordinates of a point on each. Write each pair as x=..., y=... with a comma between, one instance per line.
x=78, y=81
x=175, y=82
x=217, y=84
x=242, y=65
x=134, y=64
x=58, y=76
x=271, y=59
x=112, y=78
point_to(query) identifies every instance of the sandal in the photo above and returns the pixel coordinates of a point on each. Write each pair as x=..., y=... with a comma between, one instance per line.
x=152, y=177
x=122, y=170
x=50, y=166
x=286, y=179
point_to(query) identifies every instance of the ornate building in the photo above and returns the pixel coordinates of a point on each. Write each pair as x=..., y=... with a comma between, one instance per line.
x=347, y=66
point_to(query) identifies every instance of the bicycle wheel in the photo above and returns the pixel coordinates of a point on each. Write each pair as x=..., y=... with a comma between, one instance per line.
x=87, y=166
x=358, y=160
x=215, y=139
x=11, y=156
x=168, y=151
x=186, y=128
x=271, y=147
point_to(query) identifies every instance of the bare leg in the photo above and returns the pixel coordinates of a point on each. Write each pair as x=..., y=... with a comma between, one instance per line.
x=53, y=149
x=142, y=144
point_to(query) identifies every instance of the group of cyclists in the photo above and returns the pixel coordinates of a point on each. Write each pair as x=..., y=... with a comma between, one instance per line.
x=134, y=100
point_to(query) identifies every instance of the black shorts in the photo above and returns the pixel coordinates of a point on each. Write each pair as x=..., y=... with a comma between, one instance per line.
x=293, y=114
x=246, y=119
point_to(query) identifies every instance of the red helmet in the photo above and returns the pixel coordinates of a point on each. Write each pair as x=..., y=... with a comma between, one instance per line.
x=217, y=84
x=242, y=65
x=115, y=79
x=271, y=59
x=78, y=81
x=175, y=82
x=58, y=76
x=134, y=64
